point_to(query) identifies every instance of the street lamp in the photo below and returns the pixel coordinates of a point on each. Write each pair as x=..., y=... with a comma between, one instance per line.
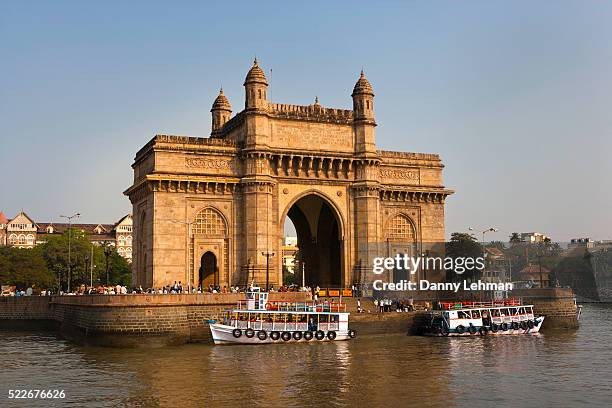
x=107, y=252
x=490, y=229
x=267, y=255
x=69, y=218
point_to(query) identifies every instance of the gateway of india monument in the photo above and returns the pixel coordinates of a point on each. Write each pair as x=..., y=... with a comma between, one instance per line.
x=212, y=210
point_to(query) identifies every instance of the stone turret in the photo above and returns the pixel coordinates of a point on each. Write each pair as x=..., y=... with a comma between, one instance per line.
x=221, y=111
x=363, y=116
x=363, y=99
x=255, y=87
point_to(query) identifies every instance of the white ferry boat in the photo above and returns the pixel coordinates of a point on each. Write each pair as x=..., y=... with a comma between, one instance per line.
x=483, y=318
x=260, y=321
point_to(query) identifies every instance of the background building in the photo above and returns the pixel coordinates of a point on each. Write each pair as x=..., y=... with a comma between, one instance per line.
x=23, y=232
x=534, y=237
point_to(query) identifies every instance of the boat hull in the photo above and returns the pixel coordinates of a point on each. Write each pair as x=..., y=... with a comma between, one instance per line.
x=224, y=335
x=534, y=331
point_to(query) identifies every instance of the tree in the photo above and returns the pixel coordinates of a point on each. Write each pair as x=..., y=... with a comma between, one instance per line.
x=496, y=244
x=515, y=238
x=55, y=253
x=462, y=245
x=24, y=268
x=120, y=271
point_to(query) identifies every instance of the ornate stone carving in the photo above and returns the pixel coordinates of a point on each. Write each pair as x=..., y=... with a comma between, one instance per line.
x=412, y=175
x=214, y=164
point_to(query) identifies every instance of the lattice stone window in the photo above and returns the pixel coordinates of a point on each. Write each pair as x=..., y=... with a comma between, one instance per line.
x=400, y=227
x=208, y=222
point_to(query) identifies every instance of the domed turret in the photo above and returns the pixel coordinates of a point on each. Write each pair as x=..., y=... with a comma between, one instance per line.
x=255, y=87
x=221, y=111
x=363, y=99
x=362, y=86
x=255, y=75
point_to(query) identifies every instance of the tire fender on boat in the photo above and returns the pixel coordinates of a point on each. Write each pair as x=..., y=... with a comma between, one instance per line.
x=524, y=325
x=352, y=334
x=286, y=336
x=472, y=329
x=494, y=328
x=320, y=335
x=262, y=335
x=308, y=335
x=504, y=326
x=515, y=325
x=530, y=324
x=483, y=331
x=331, y=335
x=237, y=333
x=297, y=335
x=460, y=329
x=249, y=333
x=275, y=335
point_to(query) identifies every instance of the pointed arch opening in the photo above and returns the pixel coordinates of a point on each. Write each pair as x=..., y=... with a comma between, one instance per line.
x=318, y=229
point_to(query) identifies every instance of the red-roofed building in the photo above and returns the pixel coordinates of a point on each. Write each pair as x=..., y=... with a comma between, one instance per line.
x=23, y=232
x=535, y=275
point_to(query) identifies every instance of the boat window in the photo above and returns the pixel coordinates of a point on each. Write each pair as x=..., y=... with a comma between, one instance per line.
x=333, y=318
x=495, y=313
x=463, y=315
x=522, y=310
x=504, y=312
x=516, y=311
x=323, y=318
x=475, y=314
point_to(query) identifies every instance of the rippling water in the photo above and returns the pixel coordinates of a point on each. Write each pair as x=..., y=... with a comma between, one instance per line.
x=559, y=368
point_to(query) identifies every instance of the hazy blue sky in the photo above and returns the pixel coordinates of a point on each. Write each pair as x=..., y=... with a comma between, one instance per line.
x=515, y=96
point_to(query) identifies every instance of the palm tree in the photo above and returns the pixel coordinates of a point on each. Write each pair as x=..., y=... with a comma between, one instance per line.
x=515, y=238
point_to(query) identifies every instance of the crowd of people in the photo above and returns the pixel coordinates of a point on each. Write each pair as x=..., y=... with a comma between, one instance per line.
x=398, y=305
x=381, y=305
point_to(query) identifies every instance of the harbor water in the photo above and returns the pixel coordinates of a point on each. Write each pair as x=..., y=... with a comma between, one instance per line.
x=562, y=368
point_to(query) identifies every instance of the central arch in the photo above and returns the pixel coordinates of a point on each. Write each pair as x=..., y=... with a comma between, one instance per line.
x=318, y=227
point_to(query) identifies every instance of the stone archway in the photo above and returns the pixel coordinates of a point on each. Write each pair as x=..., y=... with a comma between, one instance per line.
x=401, y=237
x=319, y=239
x=208, y=270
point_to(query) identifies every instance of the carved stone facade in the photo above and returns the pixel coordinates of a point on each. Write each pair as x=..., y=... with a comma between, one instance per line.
x=208, y=210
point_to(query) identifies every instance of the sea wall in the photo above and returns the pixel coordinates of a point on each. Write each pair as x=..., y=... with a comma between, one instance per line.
x=124, y=320
x=557, y=304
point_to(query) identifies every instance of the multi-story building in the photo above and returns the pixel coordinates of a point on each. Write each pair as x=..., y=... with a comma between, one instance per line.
x=289, y=250
x=534, y=237
x=23, y=232
x=3, y=222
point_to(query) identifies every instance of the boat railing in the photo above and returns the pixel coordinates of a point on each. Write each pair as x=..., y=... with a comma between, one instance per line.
x=287, y=306
x=280, y=326
x=475, y=305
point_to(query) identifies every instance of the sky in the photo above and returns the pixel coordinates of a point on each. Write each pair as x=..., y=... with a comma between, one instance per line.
x=516, y=97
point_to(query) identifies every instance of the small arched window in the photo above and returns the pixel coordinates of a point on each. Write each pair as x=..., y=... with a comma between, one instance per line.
x=13, y=239
x=401, y=228
x=259, y=93
x=22, y=239
x=368, y=105
x=209, y=222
